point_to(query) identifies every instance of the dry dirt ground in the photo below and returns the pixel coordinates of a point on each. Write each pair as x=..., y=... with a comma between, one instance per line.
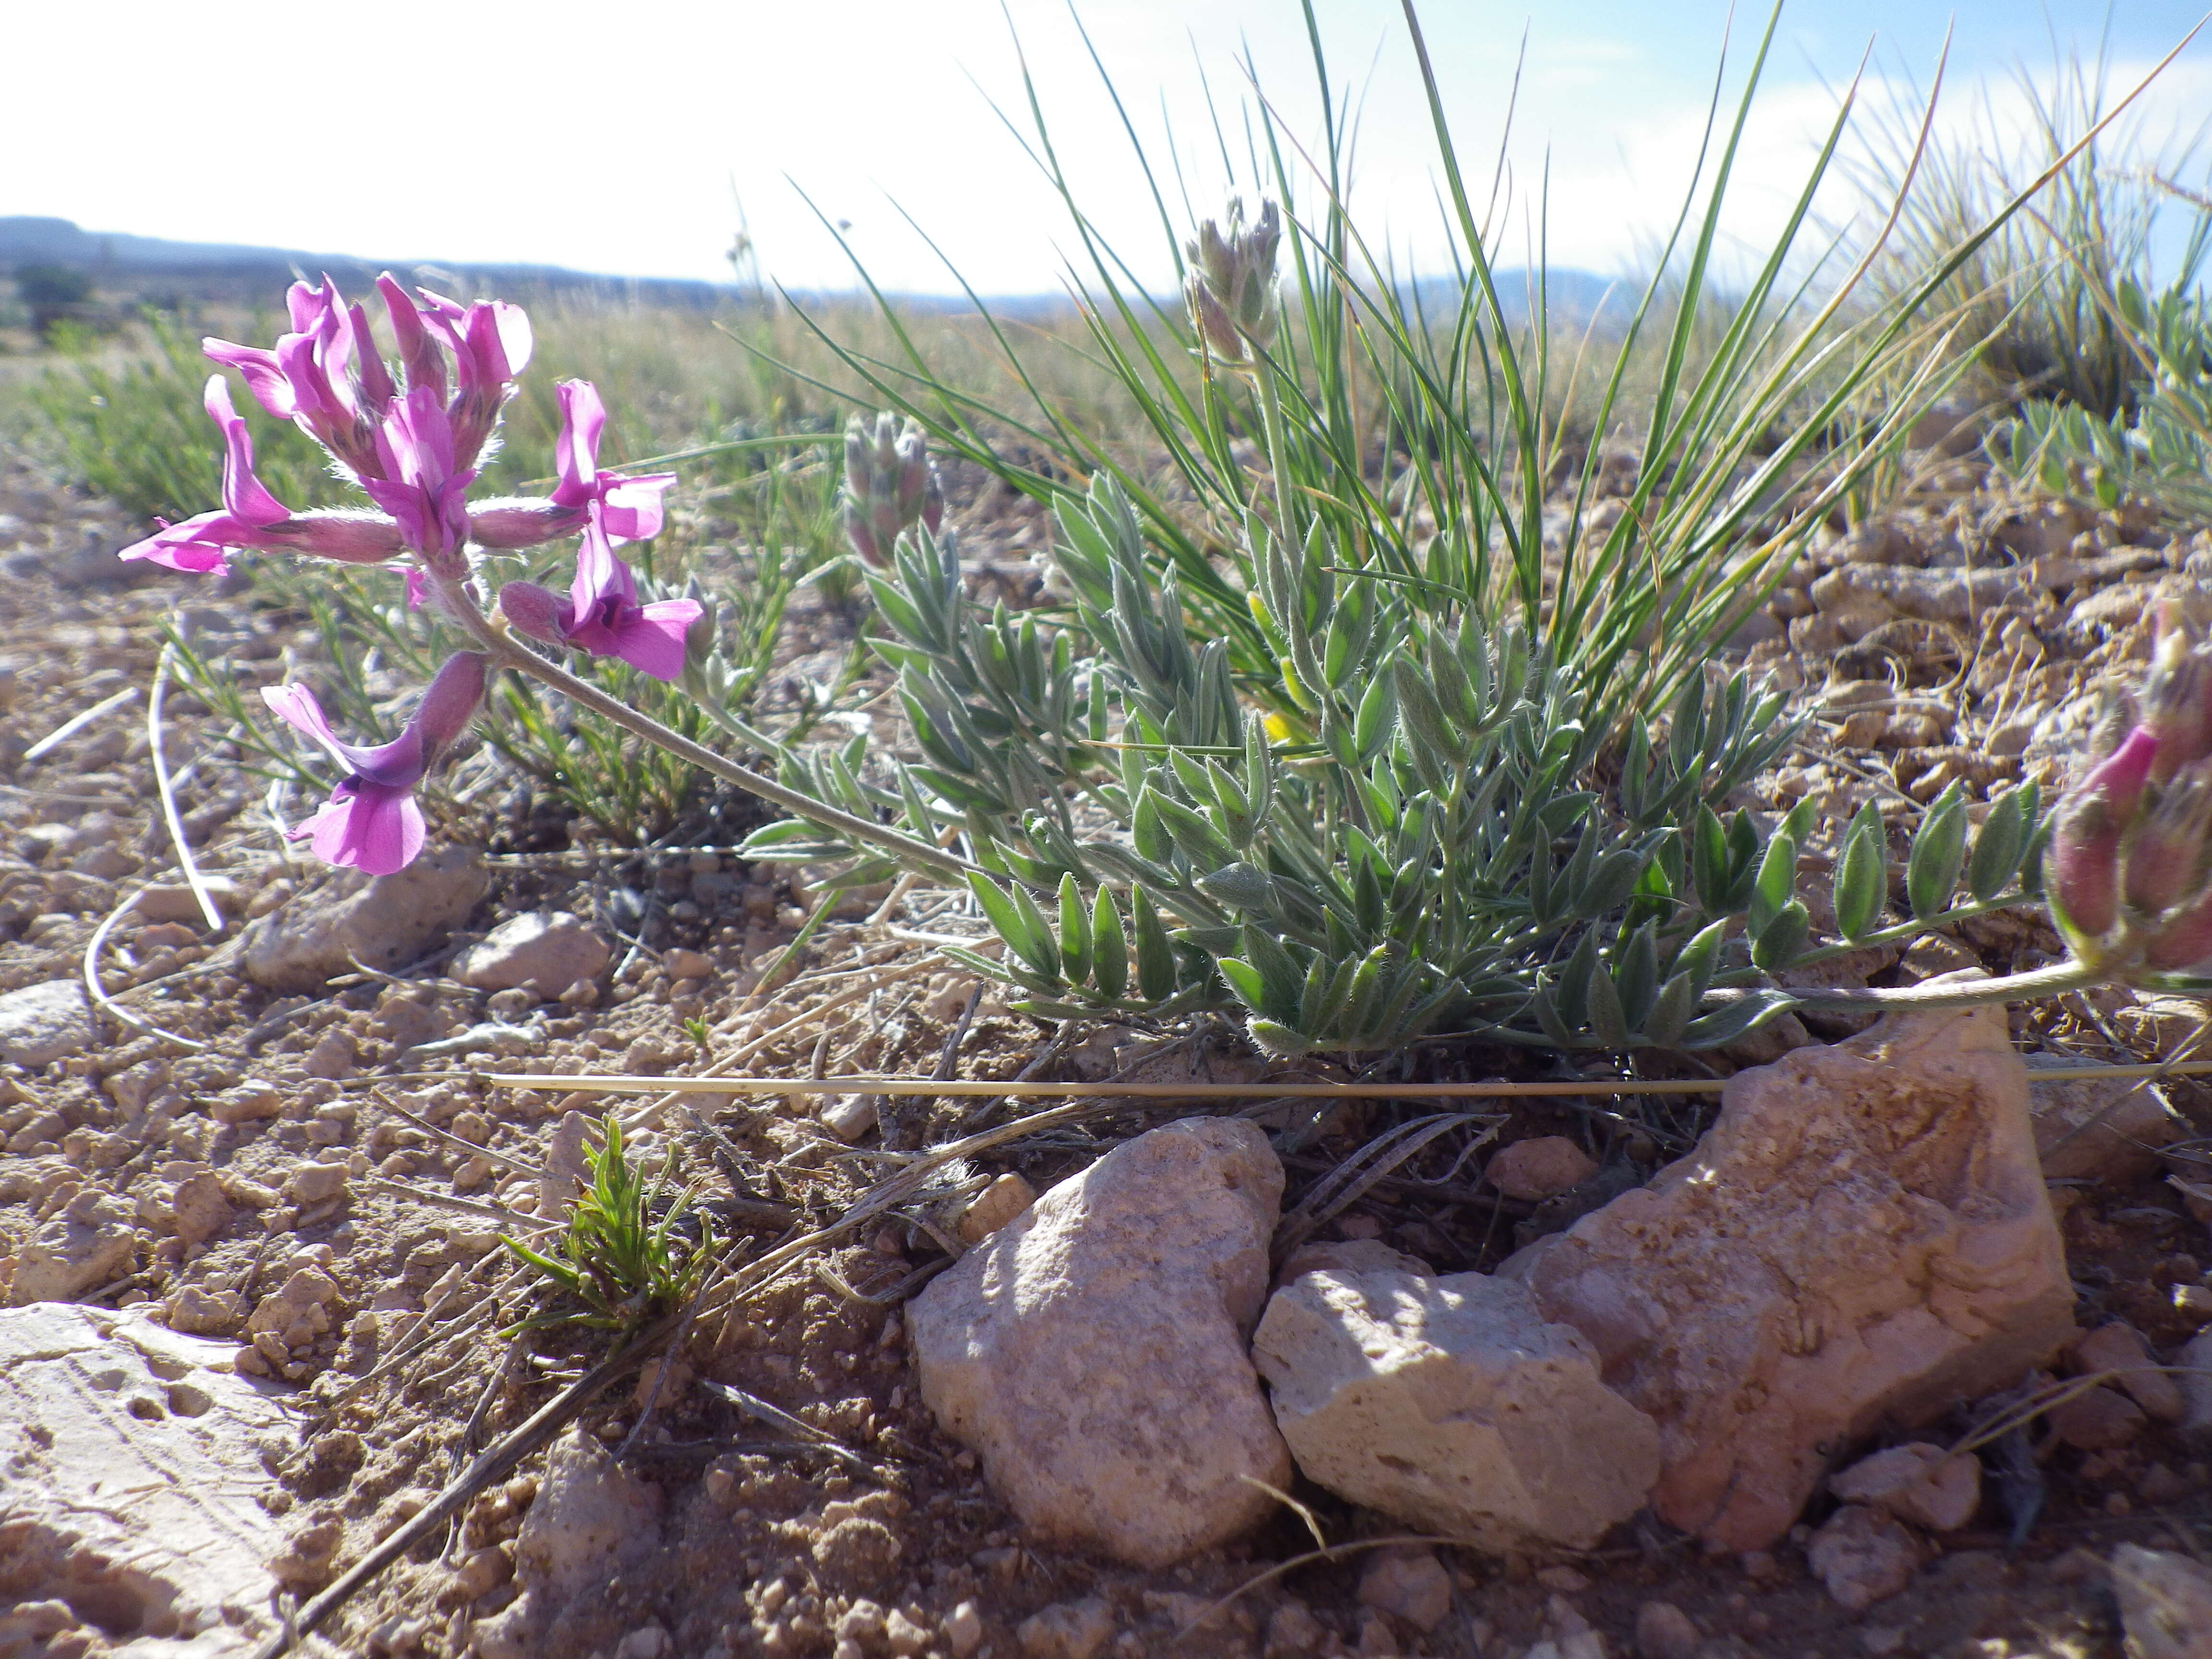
x=763, y=1555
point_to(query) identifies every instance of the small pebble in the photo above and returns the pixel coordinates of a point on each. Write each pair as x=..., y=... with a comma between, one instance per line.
x=1663, y=1631
x=2097, y=1421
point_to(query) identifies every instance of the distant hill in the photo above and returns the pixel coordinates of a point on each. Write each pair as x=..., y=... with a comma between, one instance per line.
x=149, y=269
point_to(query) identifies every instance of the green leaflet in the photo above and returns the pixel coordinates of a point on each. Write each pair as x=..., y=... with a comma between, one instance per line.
x=1939, y=849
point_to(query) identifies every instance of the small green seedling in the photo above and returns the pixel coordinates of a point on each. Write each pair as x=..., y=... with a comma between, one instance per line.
x=622, y=1257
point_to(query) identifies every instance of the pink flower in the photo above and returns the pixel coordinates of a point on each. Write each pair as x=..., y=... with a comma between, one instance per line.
x=371, y=823
x=252, y=517
x=419, y=484
x=603, y=616
x=491, y=343
x=325, y=376
x=631, y=506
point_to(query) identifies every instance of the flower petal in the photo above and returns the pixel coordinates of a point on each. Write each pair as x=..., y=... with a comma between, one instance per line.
x=632, y=508
x=376, y=831
x=264, y=375
x=196, y=545
x=651, y=639
x=296, y=705
x=576, y=449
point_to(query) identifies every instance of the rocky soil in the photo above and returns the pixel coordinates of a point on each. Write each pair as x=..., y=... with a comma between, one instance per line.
x=1080, y=1396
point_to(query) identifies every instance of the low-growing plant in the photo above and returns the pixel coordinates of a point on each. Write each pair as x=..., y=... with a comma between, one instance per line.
x=2034, y=298
x=625, y=1256
x=2160, y=448
x=1455, y=850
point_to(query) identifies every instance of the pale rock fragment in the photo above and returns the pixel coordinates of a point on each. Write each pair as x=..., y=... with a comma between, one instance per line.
x=1862, y=1238
x=42, y=1023
x=566, y=1173
x=1353, y=1255
x=310, y=1184
x=1093, y=1349
x=383, y=921
x=994, y=1206
x=2194, y=1363
x=299, y=1310
x=2098, y=1128
x=1862, y=1556
x=1534, y=1170
x=850, y=1117
x=332, y=1056
x=1451, y=1404
x=2166, y=1604
x=686, y=964
x=175, y=902
x=90, y=1242
x=2117, y=1348
x=1067, y=1630
x=131, y=1472
x=199, y=1311
x=1663, y=1631
x=542, y=951
x=199, y=1207
x=1918, y=1482
x=1409, y=1584
x=590, y=1519
x=2097, y=1420
x=963, y=1629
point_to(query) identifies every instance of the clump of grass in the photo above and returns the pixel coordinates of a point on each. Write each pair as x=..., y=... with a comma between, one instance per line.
x=1392, y=739
x=624, y=1258
x=2033, y=298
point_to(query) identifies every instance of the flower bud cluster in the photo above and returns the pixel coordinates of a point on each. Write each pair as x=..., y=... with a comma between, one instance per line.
x=1230, y=288
x=413, y=437
x=2130, y=869
x=889, y=487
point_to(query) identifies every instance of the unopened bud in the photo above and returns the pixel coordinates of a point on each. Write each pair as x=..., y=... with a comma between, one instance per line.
x=2118, y=714
x=534, y=611
x=348, y=538
x=699, y=639
x=2085, y=848
x=1230, y=288
x=2184, y=944
x=2165, y=850
x=451, y=703
x=2177, y=694
x=889, y=486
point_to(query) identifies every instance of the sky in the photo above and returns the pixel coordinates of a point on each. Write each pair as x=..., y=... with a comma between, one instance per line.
x=633, y=139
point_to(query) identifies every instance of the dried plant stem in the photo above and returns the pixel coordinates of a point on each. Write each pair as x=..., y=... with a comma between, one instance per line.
x=978, y=1087
x=165, y=787
x=1931, y=999
x=98, y=991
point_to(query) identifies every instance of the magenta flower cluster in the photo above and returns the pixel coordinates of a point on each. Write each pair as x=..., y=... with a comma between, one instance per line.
x=2130, y=870
x=413, y=436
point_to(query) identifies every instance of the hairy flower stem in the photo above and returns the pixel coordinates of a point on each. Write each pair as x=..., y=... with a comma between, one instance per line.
x=2012, y=987
x=505, y=650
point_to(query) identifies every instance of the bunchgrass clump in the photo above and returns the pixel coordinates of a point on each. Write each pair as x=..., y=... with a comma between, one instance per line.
x=626, y=1256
